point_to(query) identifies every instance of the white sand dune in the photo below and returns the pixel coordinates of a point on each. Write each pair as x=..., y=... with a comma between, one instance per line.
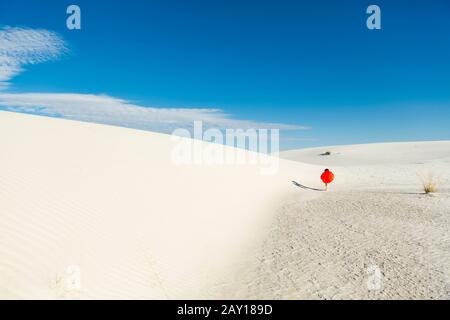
x=109, y=203
x=382, y=165
x=94, y=211
x=373, y=154
x=374, y=236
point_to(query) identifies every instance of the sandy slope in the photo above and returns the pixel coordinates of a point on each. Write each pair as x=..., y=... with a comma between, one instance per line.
x=382, y=166
x=374, y=223
x=374, y=154
x=328, y=248
x=110, y=204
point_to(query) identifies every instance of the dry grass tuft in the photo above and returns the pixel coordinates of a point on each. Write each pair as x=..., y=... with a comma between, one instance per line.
x=429, y=184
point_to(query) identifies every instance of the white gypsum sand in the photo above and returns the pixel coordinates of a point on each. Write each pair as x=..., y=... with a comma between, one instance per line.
x=109, y=205
x=376, y=235
x=108, y=208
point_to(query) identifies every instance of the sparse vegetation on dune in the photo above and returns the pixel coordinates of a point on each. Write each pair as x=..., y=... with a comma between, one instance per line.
x=429, y=184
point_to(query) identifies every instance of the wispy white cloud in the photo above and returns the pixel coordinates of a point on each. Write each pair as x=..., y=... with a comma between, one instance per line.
x=22, y=46
x=109, y=110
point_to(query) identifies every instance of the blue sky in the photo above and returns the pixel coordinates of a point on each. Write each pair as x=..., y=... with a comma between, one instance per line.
x=293, y=63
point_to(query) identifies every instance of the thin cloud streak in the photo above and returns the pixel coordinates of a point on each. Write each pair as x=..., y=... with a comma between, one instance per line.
x=104, y=109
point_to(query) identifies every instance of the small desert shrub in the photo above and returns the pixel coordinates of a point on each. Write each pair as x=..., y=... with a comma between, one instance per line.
x=326, y=153
x=429, y=184
x=429, y=187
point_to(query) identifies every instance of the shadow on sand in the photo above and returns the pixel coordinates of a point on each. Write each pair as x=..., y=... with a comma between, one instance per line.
x=305, y=187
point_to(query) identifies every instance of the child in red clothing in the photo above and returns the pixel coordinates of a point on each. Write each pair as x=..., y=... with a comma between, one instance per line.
x=327, y=177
